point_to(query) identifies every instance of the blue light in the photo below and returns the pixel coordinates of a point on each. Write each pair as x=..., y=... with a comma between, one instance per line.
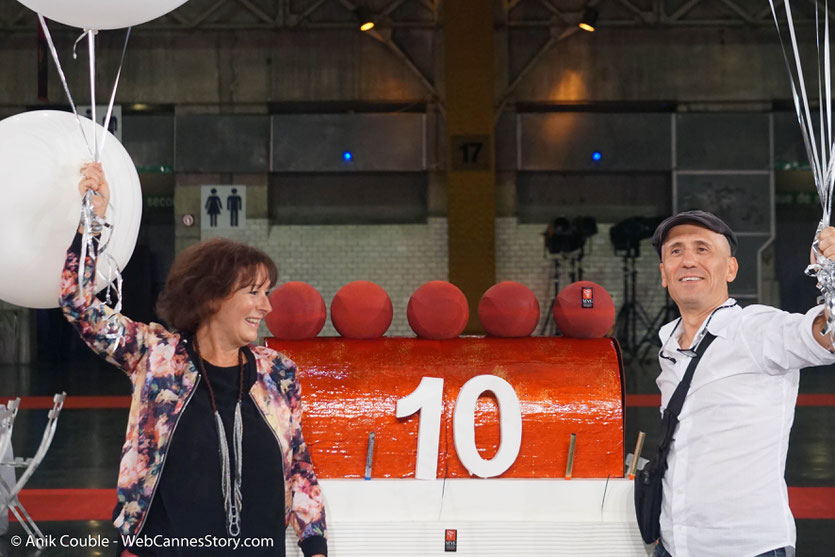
x=596, y=156
x=347, y=156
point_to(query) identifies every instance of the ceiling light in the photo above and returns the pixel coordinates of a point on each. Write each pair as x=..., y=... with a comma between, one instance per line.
x=589, y=20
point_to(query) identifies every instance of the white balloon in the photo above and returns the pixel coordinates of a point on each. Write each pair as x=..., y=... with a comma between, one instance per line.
x=41, y=154
x=102, y=14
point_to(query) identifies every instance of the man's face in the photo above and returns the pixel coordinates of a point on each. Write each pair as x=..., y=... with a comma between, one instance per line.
x=696, y=267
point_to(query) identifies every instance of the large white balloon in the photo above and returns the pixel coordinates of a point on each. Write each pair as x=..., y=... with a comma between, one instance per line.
x=41, y=154
x=102, y=14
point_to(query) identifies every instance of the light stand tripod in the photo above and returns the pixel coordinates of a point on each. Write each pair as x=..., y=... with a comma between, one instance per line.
x=565, y=239
x=632, y=314
x=650, y=338
x=549, y=326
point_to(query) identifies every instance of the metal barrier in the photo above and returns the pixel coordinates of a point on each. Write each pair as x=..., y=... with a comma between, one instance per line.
x=9, y=492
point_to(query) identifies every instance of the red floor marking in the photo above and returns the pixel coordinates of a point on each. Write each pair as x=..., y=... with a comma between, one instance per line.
x=812, y=502
x=643, y=401
x=72, y=402
x=50, y=505
x=816, y=400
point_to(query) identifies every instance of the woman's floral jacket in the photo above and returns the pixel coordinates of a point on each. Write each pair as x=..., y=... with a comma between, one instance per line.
x=164, y=377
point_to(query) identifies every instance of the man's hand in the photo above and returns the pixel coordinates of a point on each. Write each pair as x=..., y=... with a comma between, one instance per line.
x=826, y=246
x=94, y=180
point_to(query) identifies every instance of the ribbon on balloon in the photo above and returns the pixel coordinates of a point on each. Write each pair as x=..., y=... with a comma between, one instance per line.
x=821, y=153
x=92, y=224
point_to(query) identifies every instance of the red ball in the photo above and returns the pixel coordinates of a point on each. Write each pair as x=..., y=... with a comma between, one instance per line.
x=298, y=311
x=438, y=310
x=584, y=310
x=361, y=309
x=509, y=309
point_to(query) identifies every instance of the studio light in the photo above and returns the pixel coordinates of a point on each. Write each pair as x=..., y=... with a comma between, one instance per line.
x=565, y=236
x=626, y=235
x=589, y=20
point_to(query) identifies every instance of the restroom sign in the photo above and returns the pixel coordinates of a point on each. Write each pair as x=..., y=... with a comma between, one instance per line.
x=223, y=207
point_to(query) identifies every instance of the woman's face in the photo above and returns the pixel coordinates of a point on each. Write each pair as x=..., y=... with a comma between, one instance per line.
x=240, y=313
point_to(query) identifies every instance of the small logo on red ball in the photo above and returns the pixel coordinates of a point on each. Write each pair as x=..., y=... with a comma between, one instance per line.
x=588, y=297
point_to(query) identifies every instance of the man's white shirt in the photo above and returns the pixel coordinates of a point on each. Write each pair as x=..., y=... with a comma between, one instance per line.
x=724, y=491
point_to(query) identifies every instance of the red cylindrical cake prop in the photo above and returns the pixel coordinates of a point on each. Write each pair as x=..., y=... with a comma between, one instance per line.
x=438, y=310
x=563, y=386
x=298, y=311
x=509, y=309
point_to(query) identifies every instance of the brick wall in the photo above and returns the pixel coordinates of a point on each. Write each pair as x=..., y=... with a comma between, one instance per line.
x=399, y=258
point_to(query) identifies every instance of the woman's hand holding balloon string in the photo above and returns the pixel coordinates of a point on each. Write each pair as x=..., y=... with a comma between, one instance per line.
x=94, y=180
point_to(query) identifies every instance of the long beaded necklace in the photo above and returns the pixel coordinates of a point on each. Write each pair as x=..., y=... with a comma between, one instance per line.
x=232, y=498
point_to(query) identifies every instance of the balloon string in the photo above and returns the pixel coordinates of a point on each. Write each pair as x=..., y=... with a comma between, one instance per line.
x=113, y=93
x=795, y=96
x=63, y=77
x=95, y=225
x=91, y=50
x=86, y=238
x=95, y=154
x=817, y=166
x=821, y=162
x=828, y=77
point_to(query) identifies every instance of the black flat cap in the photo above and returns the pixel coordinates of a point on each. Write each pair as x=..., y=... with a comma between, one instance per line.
x=699, y=218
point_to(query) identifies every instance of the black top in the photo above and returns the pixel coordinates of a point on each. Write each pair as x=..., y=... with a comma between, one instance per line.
x=188, y=501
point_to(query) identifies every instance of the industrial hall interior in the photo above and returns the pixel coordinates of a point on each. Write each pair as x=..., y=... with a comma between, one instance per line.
x=500, y=278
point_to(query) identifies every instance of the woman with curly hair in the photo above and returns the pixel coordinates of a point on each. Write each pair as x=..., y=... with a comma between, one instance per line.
x=214, y=458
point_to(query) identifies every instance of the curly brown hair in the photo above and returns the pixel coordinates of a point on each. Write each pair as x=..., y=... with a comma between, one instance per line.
x=205, y=273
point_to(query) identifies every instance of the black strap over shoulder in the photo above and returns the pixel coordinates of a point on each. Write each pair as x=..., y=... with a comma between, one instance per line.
x=673, y=409
x=649, y=481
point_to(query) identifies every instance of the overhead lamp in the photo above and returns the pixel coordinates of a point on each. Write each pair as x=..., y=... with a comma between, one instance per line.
x=588, y=20
x=365, y=18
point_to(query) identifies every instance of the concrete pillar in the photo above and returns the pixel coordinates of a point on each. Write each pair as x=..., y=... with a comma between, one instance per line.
x=470, y=100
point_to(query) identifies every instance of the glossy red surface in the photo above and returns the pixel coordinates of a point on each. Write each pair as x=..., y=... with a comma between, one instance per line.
x=351, y=387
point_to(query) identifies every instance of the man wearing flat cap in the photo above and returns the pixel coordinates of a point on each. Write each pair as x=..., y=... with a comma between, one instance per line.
x=724, y=492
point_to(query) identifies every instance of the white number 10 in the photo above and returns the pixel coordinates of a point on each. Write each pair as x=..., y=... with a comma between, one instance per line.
x=428, y=400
